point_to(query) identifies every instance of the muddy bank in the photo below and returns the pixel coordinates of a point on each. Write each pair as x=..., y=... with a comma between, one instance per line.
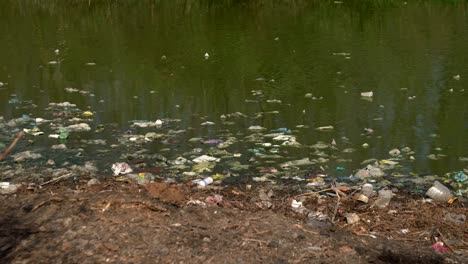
x=113, y=221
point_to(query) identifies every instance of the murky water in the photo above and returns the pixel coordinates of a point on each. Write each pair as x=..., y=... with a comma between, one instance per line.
x=286, y=64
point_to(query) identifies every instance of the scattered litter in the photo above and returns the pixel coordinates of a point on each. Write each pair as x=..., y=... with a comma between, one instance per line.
x=384, y=198
x=456, y=218
x=394, y=152
x=256, y=128
x=367, y=94
x=79, y=127
x=8, y=188
x=196, y=202
x=325, y=128
x=121, y=168
x=205, y=158
x=207, y=123
x=460, y=177
x=88, y=114
x=215, y=199
x=296, y=204
x=439, y=247
x=362, y=198
x=368, y=189
x=144, y=124
x=352, y=218
x=202, y=183
x=439, y=193
x=34, y=131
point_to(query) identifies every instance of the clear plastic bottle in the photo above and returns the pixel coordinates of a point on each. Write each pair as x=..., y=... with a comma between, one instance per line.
x=439, y=193
x=384, y=198
x=368, y=189
x=204, y=182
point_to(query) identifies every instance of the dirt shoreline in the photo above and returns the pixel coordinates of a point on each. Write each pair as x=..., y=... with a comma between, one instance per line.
x=122, y=222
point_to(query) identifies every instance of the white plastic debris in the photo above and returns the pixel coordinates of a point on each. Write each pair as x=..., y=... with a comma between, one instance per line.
x=439, y=193
x=394, y=152
x=367, y=94
x=325, y=128
x=79, y=127
x=384, y=198
x=34, y=132
x=8, y=188
x=143, y=124
x=207, y=123
x=194, y=202
x=180, y=161
x=284, y=138
x=202, y=183
x=256, y=128
x=207, y=56
x=367, y=189
x=121, y=168
x=41, y=120
x=205, y=158
x=296, y=204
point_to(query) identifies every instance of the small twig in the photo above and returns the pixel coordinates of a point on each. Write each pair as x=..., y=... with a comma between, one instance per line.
x=106, y=207
x=305, y=230
x=12, y=145
x=337, y=203
x=56, y=179
x=37, y=206
x=338, y=191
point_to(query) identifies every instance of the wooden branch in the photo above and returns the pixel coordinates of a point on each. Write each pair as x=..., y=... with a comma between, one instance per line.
x=12, y=145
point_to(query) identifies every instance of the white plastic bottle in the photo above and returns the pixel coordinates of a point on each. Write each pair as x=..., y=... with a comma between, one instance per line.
x=203, y=183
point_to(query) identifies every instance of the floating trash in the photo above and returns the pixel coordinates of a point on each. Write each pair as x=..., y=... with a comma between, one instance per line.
x=205, y=158
x=88, y=114
x=325, y=128
x=394, y=152
x=460, y=177
x=121, y=168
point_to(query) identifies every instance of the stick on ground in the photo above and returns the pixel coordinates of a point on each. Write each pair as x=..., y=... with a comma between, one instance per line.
x=12, y=145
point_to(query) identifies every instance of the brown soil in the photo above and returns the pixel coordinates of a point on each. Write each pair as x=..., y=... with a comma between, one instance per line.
x=119, y=222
